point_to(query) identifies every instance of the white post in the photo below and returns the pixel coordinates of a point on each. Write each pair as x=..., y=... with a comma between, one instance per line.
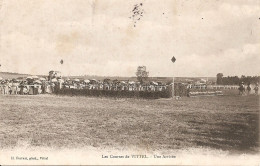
x=172, y=87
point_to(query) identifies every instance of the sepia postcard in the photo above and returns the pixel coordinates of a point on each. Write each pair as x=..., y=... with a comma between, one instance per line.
x=129, y=82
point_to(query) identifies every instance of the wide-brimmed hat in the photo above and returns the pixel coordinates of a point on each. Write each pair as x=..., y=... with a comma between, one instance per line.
x=54, y=80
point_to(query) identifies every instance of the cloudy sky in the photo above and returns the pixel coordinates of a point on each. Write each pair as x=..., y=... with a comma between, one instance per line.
x=98, y=37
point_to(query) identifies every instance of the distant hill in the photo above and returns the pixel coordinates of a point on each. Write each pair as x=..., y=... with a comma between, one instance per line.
x=9, y=75
x=157, y=79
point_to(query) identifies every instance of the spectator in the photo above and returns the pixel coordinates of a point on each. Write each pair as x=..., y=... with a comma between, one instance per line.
x=248, y=88
x=256, y=89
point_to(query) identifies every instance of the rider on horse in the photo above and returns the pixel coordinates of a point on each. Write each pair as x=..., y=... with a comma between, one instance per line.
x=241, y=88
x=256, y=89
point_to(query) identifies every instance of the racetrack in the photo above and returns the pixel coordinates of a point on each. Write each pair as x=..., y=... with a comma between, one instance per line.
x=228, y=122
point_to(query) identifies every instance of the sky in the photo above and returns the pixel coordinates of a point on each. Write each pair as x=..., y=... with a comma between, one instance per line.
x=98, y=37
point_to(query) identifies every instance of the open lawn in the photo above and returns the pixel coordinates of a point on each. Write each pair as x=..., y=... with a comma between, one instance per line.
x=221, y=122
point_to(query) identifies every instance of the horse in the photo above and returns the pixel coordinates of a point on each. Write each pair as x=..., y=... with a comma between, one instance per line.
x=256, y=89
x=242, y=89
x=248, y=89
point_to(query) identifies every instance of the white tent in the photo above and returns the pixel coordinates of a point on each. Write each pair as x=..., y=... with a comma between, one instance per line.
x=154, y=83
x=35, y=77
x=123, y=82
x=38, y=82
x=131, y=82
x=203, y=80
x=29, y=78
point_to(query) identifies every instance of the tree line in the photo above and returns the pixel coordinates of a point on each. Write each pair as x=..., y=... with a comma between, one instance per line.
x=235, y=80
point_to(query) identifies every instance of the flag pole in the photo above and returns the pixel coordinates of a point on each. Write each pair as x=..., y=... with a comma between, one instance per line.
x=173, y=60
x=173, y=87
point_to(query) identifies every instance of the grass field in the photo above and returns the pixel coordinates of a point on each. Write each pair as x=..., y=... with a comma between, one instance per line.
x=228, y=122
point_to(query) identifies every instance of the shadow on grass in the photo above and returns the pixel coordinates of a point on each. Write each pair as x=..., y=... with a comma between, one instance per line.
x=231, y=136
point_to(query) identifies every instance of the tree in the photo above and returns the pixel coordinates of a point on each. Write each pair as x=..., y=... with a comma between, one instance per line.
x=54, y=74
x=219, y=78
x=141, y=74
